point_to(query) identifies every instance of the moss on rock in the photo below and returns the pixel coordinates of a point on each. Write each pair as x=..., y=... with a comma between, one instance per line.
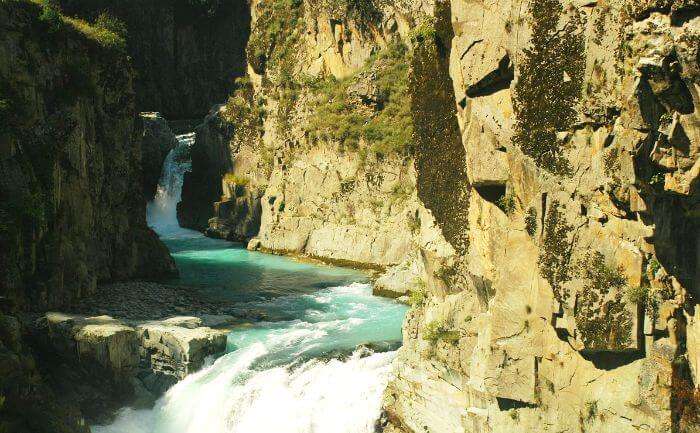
x=550, y=84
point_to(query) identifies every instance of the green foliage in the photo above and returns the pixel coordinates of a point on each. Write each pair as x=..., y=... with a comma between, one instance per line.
x=248, y=114
x=236, y=179
x=506, y=203
x=601, y=317
x=531, y=222
x=425, y=31
x=366, y=14
x=50, y=15
x=414, y=222
x=637, y=295
x=654, y=266
x=438, y=331
x=591, y=409
x=341, y=118
x=275, y=35
x=417, y=294
x=103, y=31
x=550, y=84
x=556, y=251
x=401, y=192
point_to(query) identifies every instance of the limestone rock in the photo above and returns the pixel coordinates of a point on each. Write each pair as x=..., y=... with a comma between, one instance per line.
x=401, y=279
x=173, y=348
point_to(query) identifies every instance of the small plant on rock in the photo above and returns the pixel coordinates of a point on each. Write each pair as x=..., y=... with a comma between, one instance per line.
x=437, y=330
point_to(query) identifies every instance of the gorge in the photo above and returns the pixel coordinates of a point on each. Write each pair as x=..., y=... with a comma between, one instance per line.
x=523, y=174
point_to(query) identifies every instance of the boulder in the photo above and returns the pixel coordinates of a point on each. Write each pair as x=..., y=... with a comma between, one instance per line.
x=173, y=348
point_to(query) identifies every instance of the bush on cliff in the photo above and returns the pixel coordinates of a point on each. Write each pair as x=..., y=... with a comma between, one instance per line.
x=384, y=125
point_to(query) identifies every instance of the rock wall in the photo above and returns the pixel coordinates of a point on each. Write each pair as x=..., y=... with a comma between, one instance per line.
x=157, y=140
x=72, y=210
x=186, y=53
x=571, y=301
x=27, y=403
x=296, y=189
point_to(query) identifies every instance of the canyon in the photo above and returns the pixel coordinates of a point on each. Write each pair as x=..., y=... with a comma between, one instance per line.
x=522, y=173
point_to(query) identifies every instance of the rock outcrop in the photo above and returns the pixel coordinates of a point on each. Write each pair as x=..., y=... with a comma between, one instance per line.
x=102, y=363
x=186, y=53
x=569, y=304
x=72, y=211
x=27, y=403
x=542, y=203
x=173, y=348
x=266, y=171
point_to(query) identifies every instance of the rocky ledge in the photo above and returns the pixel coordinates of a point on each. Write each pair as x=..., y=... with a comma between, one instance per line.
x=114, y=362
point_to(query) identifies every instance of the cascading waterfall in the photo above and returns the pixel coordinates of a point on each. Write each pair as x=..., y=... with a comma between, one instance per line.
x=306, y=368
x=162, y=211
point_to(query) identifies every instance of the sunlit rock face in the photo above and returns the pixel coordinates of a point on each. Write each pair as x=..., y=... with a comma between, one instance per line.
x=571, y=304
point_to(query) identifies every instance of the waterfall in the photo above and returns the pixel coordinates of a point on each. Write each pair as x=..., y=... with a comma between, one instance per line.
x=161, y=213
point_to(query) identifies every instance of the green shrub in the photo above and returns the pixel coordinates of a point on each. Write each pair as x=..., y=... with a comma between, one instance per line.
x=555, y=253
x=544, y=101
x=601, y=316
x=425, y=31
x=417, y=294
x=506, y=203
x=531, y=222
x=50, y=15
x=637, y=295
x=438, y=331
x=236, y=179
x=339, y=118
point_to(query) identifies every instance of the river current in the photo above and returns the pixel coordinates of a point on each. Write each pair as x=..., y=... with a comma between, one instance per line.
x=317, y=361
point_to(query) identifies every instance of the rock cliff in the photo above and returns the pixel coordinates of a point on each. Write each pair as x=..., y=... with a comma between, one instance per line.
x=571, y=301
x=287, y=162
x=533, y=167
x=72, y=206
x=186, y=53
x=73, y=212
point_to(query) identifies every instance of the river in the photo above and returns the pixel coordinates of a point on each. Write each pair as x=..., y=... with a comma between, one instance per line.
x=317, y=361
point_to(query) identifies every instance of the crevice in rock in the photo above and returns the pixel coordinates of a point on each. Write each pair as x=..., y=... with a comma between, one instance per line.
x=495, y=81
x=491, y=193
x=505, y=404
x=604, y=360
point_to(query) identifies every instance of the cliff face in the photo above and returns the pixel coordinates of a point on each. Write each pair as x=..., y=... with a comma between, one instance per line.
x=533, y=164
x=571, y=301
x=72, y=207
x=297, y=170
x=186, y=53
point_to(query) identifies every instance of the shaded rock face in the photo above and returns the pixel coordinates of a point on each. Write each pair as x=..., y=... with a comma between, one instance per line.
x=157, y=140
x=186, y=54
x=211, y=159
x=73, y=211
x=28, y=404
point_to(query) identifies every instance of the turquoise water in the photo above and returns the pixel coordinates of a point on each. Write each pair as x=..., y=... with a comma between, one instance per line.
x=320, y=364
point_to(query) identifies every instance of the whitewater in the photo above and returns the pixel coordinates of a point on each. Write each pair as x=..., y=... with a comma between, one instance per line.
x=318, y=361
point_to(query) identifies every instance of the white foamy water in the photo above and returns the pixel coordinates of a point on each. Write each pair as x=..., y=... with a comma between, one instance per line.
x=273, y=380
x=229, y=397
x=161, y=213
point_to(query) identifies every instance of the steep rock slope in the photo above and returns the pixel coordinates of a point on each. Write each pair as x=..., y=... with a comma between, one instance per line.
x=186, y=53
x=73, y=211
x=571, y=301
x=296, y=165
